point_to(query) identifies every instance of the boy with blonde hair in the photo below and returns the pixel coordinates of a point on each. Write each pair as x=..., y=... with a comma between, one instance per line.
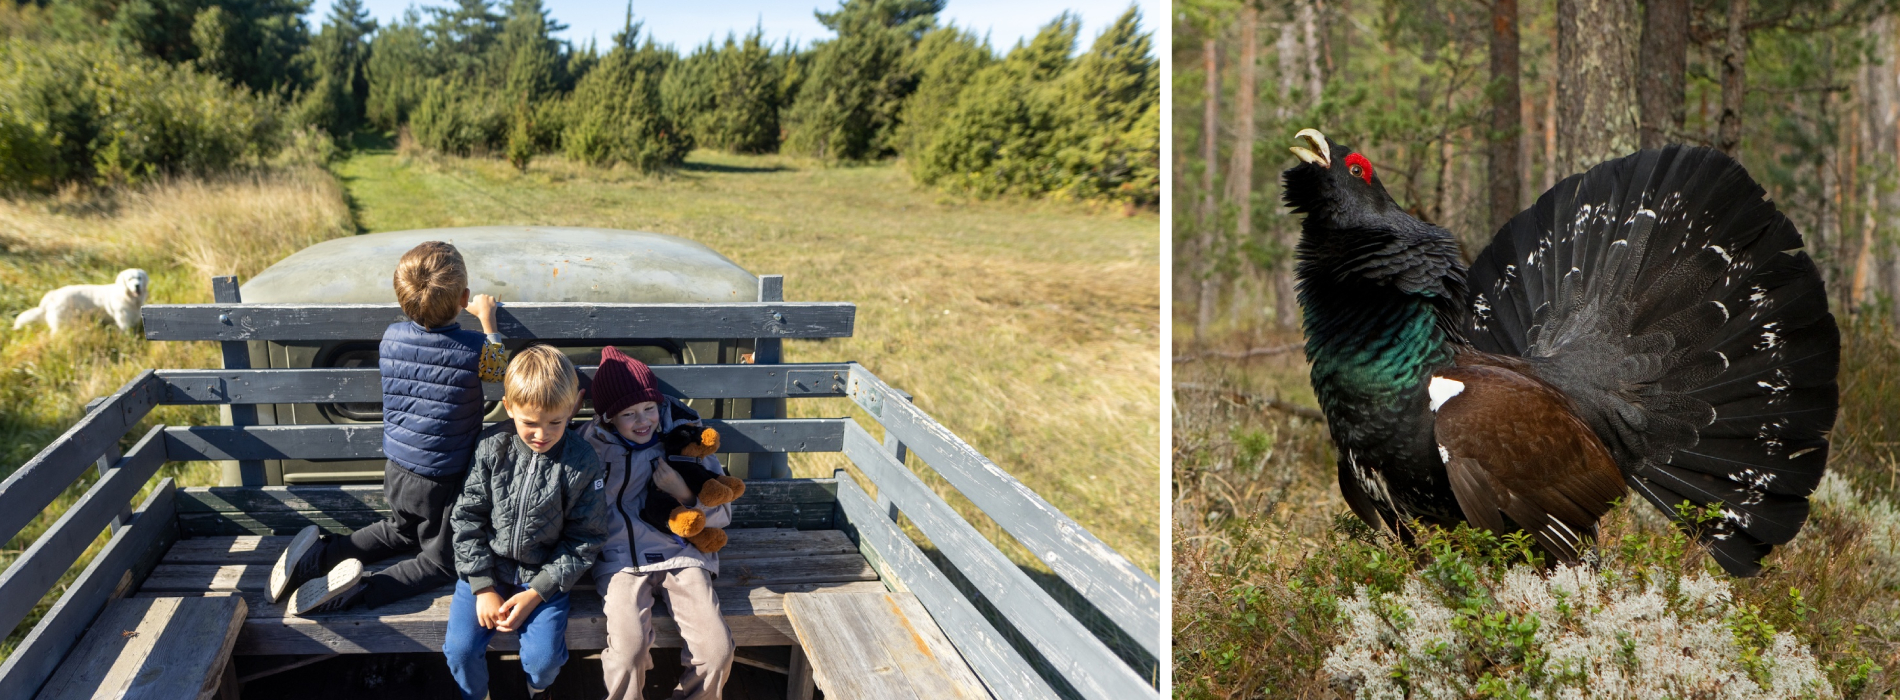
x=432, y=374
x=530, y=520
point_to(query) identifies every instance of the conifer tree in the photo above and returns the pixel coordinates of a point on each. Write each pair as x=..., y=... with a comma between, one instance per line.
x=847, y=106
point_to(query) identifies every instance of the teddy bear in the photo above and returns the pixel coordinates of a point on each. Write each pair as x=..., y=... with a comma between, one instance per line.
x=685, y=445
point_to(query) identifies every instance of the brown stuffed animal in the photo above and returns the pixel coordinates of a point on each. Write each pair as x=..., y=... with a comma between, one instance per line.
x=685, y=446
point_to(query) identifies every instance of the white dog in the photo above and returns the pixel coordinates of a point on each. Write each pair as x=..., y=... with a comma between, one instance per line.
x=120, y=300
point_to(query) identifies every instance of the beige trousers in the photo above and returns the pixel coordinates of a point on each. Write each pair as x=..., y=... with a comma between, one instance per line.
x=706, y=660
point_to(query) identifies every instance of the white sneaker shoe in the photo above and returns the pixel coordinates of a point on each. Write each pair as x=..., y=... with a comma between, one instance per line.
x=341, y=588
x=298, y=563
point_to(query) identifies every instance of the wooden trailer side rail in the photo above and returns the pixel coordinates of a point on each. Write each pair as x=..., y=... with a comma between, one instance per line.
x=1018, y=638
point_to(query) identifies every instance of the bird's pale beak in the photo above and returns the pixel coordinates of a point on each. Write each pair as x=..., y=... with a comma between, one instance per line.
x=1319, y=154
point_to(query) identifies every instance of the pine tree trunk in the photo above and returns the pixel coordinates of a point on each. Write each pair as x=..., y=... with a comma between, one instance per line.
x=1507, y=117
x=1664, y=58
x=1596, y=96
x=1728, y=135
x=1209, y=208
x=1884, y=145
x=1240, y=173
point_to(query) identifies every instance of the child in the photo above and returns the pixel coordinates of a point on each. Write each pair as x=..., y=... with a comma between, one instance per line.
x=432, y=374
x=630, y=417
x=529, y=523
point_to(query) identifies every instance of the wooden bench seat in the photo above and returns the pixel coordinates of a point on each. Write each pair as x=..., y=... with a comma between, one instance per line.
x=876, y=645
x=160, y=648
x=757, y=569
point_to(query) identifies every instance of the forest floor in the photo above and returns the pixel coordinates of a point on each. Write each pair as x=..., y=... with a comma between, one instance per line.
x=1266, y=551
x=1031, y=329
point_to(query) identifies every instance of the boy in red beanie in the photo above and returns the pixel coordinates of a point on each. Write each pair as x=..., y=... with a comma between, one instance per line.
x=630, y=416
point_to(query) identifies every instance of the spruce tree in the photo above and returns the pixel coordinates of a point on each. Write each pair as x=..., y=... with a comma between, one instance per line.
x=847, y=107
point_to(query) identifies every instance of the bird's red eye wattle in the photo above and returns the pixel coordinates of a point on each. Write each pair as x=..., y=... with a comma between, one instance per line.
x=1359, y=167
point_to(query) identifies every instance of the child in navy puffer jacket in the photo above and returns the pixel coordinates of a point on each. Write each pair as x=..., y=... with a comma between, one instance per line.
x=432, y=374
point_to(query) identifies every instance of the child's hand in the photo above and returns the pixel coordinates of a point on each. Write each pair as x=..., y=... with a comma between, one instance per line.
x=488, y=607
x=668, y=480
x=515, y=612
x=482, y=306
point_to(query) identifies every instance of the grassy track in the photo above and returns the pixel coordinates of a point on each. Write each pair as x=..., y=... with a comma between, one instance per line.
x=1029, y=329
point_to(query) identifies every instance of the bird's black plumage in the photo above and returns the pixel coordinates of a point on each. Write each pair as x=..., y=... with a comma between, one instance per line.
x=1660, y=297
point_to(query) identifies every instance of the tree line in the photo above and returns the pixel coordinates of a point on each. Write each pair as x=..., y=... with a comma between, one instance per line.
x=230, y=80
x=1471, y=108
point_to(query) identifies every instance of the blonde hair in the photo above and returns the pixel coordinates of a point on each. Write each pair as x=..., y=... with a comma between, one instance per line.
x=541, y=378
x=430, y=280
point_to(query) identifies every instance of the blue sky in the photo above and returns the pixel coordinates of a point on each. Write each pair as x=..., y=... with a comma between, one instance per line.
x=688, y=24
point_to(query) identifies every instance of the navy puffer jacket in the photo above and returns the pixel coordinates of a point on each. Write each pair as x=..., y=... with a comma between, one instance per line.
x=432, y=395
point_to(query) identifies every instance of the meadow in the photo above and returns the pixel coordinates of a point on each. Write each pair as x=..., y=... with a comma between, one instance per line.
x=1272, y=573
x=1029, y=328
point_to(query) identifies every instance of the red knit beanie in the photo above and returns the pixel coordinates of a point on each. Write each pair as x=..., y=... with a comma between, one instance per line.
x=621, y=382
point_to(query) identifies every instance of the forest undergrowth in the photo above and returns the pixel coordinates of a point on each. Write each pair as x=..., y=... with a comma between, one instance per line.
x=1281, y=593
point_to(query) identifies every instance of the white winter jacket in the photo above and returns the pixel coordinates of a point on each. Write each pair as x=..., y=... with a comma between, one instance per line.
x=628, y=478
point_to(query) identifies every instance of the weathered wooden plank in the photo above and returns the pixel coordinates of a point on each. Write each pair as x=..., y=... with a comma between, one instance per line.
x=1085, y=661
x=48, y=558
x=332, y=385
x=792, y=515
x=566, y=320
x=365, y=441
x=1126, y=594
x=28, y=489
x=754, y=613
x=157, y=648
x=131, y=551
x=237, y=356
x=1004, y=672
x=864, y=645
x=742, y=543
x=767, y=352
x=251, y=499
x=761, y=571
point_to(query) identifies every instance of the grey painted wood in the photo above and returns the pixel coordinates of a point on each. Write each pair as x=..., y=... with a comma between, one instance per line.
x=744, y=543
x=867, y=646
x=105, y=463
x=41, y=479
x=275, y=386
x=286, y=322
x=769, y=351
x=48, y=558
x=237, y=356
x=365, y=440
x=1004, y=672
x=1126, y=594
x=1085, y=661
x=757, y=571
x=131, y=551
x=152, y=648
x=788, y=515
x=798, y=680
x=267, y=499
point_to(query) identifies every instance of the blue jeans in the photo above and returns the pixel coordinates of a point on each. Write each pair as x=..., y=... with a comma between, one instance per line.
x=543, y=641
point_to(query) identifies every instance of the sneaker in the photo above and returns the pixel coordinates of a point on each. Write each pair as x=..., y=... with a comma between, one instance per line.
x=341, y=588
x=298, y=563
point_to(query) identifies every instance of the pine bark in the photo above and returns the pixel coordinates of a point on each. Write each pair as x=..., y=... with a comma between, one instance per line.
x=1663, y=61
x=1728, y=135
x=1240, y=172
x=1210, y=127
x=1596, y=96
x=1507, y=117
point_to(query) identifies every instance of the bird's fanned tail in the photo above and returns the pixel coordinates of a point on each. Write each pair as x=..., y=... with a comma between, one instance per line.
x=1670, y=300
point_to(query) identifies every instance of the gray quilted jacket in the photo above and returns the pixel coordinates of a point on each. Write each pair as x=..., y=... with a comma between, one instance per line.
x=531, y=519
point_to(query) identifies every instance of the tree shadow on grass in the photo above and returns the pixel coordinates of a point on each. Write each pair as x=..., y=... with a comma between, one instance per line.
x=700, y=167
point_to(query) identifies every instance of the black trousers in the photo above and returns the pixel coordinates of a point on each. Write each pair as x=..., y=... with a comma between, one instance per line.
x=418, y=524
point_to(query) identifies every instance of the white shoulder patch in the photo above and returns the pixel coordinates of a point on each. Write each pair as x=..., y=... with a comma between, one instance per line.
x=1444, y=455
x=1442, y=389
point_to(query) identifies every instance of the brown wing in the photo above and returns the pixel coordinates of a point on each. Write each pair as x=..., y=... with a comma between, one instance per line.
x=1514, y=448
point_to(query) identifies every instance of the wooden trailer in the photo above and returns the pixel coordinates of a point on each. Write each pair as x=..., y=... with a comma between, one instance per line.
x=829, y=571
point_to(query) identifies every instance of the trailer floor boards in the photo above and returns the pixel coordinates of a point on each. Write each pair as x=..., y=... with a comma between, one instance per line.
x=757, y=568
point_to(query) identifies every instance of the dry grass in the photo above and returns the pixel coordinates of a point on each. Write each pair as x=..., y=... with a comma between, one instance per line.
x=182, y=232
x=1029, y=329
x=1264, y=547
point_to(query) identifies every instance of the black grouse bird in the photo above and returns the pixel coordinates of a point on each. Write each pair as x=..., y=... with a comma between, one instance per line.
x=1651, y=322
